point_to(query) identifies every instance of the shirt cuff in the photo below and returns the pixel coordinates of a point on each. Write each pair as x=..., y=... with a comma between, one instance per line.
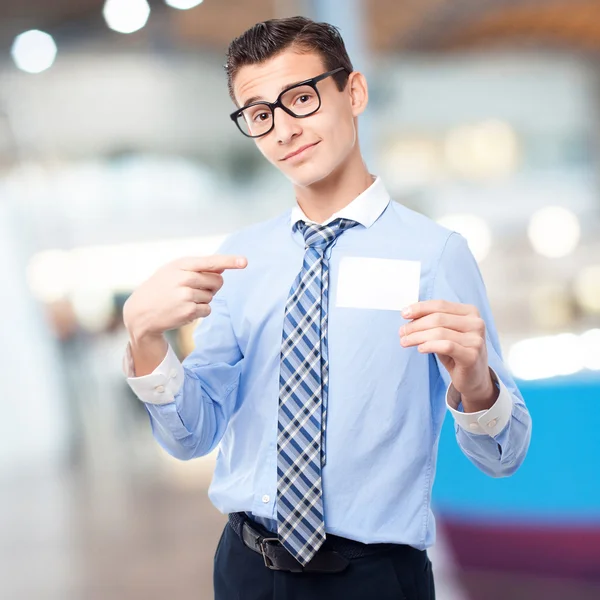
x=484, y=422
x=159, y=387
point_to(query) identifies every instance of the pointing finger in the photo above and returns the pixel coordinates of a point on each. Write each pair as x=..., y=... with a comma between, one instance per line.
x=217, y=263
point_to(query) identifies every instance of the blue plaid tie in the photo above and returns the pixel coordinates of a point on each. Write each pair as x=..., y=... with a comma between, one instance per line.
x=303, y=384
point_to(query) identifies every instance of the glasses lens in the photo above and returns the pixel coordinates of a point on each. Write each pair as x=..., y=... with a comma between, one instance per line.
x=256, y=120
x=302, y=100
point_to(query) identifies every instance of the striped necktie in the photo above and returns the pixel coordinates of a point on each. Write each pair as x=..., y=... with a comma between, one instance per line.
x=303, y=385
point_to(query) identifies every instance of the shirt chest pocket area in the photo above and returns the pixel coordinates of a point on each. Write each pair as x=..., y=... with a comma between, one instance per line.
x=367, y=297
x=259, y=323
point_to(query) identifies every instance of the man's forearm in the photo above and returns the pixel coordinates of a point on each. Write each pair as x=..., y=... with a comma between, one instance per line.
x=483, y=400
x=147, y=351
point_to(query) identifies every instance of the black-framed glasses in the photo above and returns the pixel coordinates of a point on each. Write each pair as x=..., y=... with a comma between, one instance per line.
x=299, y=100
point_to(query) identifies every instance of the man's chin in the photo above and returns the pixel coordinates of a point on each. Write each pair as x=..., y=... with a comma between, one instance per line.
x=305, y=177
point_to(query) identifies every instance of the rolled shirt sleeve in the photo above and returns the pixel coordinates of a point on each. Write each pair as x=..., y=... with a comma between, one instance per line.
x=190, y=403
x=495, y=440
x=484, y=422
x=159, y=387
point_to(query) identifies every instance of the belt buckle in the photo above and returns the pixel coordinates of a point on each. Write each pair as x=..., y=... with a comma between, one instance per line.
x=268, y=563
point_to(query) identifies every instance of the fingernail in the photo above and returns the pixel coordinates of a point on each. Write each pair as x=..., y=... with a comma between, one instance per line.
x=240, y=262
x=406, y=311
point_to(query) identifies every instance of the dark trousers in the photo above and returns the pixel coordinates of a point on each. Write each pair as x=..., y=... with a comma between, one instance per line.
x=399, y=574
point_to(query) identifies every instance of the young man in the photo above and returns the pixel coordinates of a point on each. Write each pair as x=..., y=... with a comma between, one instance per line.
x=326, y=407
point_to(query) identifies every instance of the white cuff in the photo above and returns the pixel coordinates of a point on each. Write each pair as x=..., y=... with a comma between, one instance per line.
x=484, y=422
x=160, y=386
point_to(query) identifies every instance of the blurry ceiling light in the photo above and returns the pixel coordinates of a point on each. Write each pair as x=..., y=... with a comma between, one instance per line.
x=93, y=308
x=183, y=4
x=554, y=231
x=486, y=150
x=587, y=288
x=590, y=341
x=34, y=51
x=50, y=275
x=126, y=16
x=56, y=274
x=549, y=356
x=474, y=229
x=411, y=163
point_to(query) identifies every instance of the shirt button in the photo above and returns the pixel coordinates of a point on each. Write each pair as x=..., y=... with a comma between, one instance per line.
x=492, y=423
x=266, y=498
x=173, y=373
x=160, y=388
x=473, y=426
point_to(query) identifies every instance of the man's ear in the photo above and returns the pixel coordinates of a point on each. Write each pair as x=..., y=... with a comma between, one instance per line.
x=359, y=92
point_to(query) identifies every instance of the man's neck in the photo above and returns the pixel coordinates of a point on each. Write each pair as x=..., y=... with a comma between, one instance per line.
x=328, y=196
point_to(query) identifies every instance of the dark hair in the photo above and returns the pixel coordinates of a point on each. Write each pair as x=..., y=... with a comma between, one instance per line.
x=267, y=39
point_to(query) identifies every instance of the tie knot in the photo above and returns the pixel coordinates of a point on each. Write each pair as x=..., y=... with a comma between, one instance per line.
x=322, y=236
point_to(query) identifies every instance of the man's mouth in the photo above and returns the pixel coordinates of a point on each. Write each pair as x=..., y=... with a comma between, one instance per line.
x=299, y=151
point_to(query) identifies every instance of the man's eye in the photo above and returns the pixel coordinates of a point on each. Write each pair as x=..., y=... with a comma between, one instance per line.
x=304, y=98
x=263, y=116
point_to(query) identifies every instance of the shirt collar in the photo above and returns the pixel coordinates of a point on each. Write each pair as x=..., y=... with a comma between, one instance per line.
x=365, y=208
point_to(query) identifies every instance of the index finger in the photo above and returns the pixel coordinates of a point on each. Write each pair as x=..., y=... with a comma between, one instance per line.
x=217, y=263
x=427, y=307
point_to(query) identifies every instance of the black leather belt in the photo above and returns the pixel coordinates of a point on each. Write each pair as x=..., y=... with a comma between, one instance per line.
x=333, y=557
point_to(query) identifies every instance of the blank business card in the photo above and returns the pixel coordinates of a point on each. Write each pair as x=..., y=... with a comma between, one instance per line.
x=377, y=283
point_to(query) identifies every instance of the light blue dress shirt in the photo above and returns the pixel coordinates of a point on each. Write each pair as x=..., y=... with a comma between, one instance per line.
x=386, y=402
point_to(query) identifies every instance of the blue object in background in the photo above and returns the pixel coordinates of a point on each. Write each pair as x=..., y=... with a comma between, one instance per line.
x=560, y=478
x=545, y=519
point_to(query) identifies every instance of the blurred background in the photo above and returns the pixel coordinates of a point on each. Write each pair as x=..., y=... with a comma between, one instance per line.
x=117, y=155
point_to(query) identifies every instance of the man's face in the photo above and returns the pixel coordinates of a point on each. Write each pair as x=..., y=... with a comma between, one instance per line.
x=326, y=138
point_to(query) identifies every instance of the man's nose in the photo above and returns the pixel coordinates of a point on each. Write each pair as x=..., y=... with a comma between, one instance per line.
x=286, y=126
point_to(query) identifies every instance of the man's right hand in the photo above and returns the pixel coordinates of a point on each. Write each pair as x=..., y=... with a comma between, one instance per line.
x=177, y=294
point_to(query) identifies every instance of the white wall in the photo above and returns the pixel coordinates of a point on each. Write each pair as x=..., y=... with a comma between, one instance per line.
x=32, y=410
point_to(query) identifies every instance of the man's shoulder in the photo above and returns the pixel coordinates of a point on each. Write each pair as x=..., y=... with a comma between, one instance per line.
x=419, y=223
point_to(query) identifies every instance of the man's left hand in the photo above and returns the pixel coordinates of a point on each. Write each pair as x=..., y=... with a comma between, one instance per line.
x=456, y=333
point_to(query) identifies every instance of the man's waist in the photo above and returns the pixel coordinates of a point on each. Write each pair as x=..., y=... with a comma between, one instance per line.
x=266, y=523
x=347, y=547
